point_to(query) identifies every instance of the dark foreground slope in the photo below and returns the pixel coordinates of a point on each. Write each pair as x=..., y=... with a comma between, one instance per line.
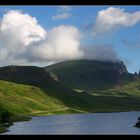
x=30, y=75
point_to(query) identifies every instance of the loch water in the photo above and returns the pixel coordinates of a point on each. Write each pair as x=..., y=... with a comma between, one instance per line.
x=91, y=123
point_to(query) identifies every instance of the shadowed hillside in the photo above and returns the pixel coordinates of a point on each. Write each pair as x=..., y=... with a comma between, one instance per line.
x=27, y=75
x=89, y=74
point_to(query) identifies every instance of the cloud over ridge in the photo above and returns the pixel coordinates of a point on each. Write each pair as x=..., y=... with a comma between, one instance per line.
x=23, y=41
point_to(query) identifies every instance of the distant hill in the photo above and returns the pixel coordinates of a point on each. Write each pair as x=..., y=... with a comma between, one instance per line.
x=89, y=74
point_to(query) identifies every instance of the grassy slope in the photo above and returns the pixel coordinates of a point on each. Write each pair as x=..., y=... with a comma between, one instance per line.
x=28, y=100
x=23, y=100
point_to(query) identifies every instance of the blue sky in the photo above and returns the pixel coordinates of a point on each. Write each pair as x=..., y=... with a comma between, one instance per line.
x=123, y=37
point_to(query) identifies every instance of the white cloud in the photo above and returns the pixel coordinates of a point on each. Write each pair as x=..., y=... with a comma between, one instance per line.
x=61, y=16
x=61, y=44
x=17, y=31
x=23, y=40
x=113, y=18
x=63, y=13
x=21, y=27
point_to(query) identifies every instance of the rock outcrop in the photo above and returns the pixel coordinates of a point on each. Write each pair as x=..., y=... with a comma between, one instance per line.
x=138, y=123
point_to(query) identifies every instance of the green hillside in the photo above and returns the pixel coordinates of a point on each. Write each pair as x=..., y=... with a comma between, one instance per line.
x=25, y=101
x=22, y=101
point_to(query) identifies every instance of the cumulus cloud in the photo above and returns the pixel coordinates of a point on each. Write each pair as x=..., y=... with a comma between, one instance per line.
x=63, y=13
x=100, y=52
x=20, y=28
x=61, y=44
x=17, y=31
x=23, y=40
x=114, y=18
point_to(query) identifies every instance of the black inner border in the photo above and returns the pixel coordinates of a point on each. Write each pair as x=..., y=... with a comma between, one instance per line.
x=69, y=2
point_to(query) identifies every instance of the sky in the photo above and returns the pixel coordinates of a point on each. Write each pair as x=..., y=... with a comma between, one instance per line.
x=43, y=35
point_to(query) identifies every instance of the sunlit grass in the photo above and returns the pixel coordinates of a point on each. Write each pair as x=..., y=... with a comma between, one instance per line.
x=24, y=101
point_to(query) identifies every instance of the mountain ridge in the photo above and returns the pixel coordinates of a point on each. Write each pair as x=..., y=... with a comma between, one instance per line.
x=98, y=74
